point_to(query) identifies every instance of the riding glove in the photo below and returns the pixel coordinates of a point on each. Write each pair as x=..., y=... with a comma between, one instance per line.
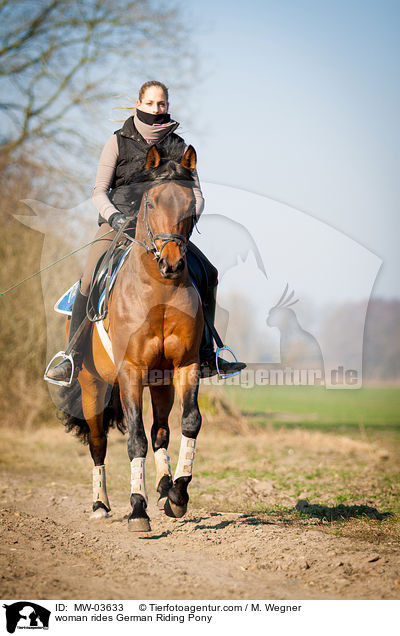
x=117, y=221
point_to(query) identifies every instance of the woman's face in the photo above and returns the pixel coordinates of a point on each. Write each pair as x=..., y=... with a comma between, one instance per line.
x=153, y=101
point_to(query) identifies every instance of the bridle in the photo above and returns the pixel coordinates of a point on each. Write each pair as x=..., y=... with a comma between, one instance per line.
x=166, y=237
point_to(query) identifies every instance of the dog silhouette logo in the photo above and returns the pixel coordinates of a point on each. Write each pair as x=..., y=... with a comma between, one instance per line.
x=26, y=615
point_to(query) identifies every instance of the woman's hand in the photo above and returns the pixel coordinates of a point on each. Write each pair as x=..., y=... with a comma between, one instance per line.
x=117, y=221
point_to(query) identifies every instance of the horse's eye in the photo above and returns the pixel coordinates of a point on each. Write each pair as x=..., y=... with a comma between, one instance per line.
x=150, y=205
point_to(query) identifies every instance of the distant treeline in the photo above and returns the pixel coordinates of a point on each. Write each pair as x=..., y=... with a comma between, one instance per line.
x=382, y=340
x=381, y=346
x=338, y=328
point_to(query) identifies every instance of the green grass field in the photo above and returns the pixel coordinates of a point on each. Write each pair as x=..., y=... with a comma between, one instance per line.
x=366, y=409
x=337, y=449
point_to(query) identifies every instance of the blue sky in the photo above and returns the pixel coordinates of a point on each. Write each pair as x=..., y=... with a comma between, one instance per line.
x=299, y=102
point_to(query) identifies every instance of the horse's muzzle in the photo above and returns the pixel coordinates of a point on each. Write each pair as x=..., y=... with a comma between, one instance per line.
x=171, y=271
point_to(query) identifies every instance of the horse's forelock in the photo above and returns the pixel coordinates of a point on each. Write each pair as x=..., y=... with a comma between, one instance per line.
x=168, y=170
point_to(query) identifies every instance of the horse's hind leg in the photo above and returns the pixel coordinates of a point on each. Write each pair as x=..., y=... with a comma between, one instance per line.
x=131, y=391
x=187, y=385
x=93, y=396
x=162, y=399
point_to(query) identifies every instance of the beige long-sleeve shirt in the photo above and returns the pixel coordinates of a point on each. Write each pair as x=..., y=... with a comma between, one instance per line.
x=105, y=176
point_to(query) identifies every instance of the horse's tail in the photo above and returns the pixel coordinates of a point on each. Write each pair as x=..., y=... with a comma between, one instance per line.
x=71, y=413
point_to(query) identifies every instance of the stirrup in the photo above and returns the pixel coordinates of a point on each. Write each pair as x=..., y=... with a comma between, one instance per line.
x=65, y=356
x=223, y=376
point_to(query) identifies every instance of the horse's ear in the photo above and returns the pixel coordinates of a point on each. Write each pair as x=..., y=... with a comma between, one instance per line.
x=189, y=159
x=153, y=158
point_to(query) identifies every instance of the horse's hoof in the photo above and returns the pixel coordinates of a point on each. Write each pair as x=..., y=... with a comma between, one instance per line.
x=163, y=488
x=139, y=524
x=172, y=510
x=161, y=502
x=100, y=513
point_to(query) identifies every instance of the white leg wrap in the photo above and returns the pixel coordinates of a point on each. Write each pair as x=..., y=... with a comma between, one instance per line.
x=138, y=484
x=99, y=485
x=162, y=464
x=186, y=458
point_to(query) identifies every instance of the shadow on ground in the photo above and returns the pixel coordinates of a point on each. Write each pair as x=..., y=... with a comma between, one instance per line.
x=340, y=512
x=323, y=513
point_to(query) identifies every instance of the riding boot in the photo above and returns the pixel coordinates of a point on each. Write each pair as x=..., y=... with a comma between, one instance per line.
x=208, y=362
x=63, y=371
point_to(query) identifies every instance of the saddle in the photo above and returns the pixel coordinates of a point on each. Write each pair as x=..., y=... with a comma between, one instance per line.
x=103, y=279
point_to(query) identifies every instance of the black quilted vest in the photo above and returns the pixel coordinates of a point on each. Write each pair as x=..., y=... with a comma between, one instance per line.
x=132, y=152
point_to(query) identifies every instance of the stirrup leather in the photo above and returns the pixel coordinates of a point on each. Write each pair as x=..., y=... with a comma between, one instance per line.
x=65, y=356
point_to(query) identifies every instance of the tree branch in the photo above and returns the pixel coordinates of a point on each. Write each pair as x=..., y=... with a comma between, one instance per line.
x=58, y=61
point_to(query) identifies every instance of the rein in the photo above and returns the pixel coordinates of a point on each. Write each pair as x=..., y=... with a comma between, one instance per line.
x=43, y=269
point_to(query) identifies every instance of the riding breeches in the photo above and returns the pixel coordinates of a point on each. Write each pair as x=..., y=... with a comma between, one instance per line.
x=96, y=250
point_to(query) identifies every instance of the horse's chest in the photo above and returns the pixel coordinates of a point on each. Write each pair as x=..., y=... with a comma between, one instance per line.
x=156, y=327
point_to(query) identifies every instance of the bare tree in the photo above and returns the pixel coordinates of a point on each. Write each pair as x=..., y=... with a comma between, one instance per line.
x=60, y=59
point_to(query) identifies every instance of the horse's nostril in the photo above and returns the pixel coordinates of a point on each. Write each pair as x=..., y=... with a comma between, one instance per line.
x=164, y=266
x=171, y=271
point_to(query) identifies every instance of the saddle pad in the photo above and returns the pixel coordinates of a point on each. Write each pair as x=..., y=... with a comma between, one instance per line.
x=64, y=304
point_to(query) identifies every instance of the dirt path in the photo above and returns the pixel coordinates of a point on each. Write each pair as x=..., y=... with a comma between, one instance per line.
x=50, y=549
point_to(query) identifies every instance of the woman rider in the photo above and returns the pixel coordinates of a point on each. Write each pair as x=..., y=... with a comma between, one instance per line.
x=124, y=154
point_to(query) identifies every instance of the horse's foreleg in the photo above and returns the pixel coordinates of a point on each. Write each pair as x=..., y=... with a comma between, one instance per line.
x=131, y=391
x=162, y=399
x=93, y=396
x=186, y=381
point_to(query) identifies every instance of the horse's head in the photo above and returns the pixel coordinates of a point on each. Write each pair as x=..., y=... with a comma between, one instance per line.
x=168, y=209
